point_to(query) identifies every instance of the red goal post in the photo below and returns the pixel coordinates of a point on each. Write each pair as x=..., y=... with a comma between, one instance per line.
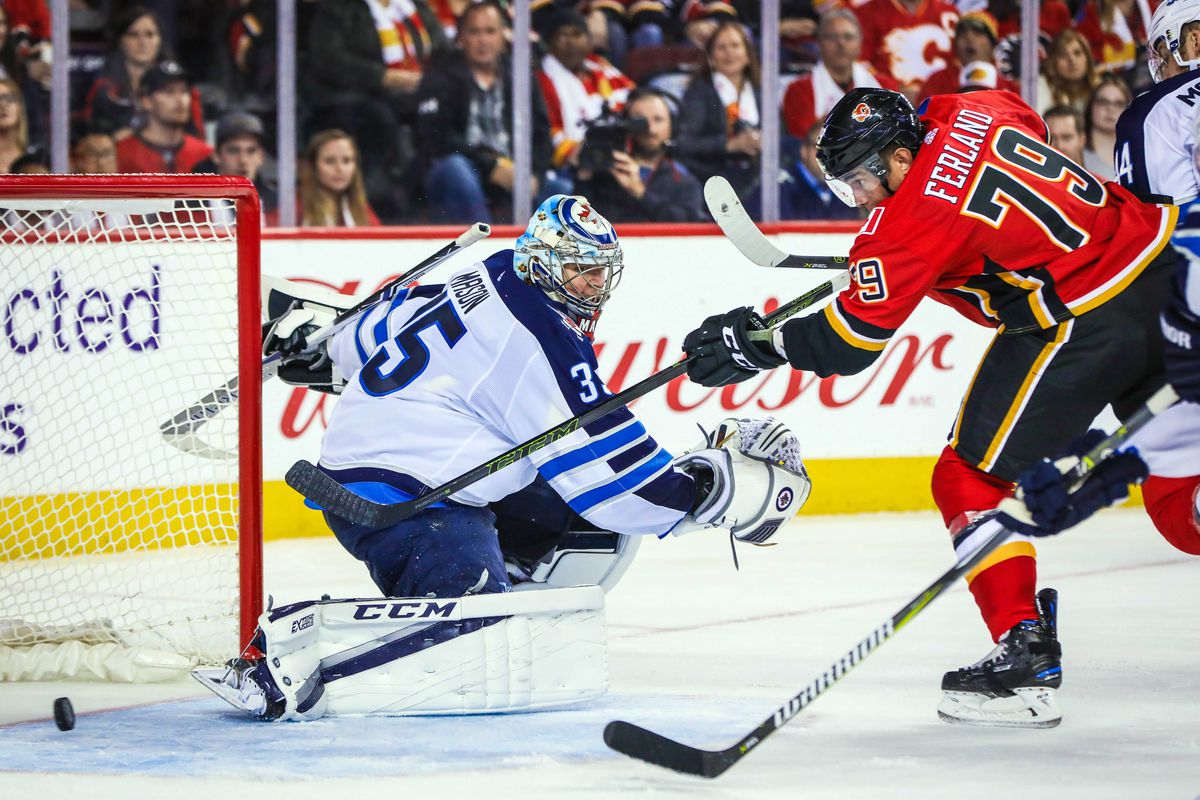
x=124, y=299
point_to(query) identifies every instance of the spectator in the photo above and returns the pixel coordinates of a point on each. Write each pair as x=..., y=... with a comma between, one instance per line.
x=1053, y=17
x=798, y=23
x=577, y=85
x=31, y=163
x=1065, y=126
x=163, y=143
x=331, y=183
x=702, y=17
x=1111, y=97
x=253, y=44
x=14, y=128
x=94, y=154
x=974, y=41
x=908, y=40
x=719, y=114
x=241, y=150
x=448, y=13
x=366, y=59
x=1114, y=28
x=113, y=103
x=464, y=123
x=809, y=97
x=645, y=184
x=629, y=25
x=1068, y=73
x=805, y=195
x=20, y=60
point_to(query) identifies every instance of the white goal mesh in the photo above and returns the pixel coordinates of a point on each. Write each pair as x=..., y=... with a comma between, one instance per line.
x=115, y=315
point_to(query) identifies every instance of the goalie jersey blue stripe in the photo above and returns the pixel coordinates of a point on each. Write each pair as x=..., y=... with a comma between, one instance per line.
x=453, y=375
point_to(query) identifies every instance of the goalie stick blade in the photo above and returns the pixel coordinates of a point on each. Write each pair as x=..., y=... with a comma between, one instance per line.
x=654, y=748
x=332, y=496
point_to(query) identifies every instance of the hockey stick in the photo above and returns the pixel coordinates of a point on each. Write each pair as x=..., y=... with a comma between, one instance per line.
x=330, y=495
x=180, y=430
x=727, y=210
x=654, y=748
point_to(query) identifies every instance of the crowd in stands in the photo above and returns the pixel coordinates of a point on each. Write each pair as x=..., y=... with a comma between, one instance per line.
x=405, y=106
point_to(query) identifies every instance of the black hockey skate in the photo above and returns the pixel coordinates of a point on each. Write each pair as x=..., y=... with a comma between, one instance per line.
x=1013, y=686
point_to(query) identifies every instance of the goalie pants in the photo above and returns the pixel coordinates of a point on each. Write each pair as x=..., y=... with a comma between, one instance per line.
x=1032, y=394
x=441, y=552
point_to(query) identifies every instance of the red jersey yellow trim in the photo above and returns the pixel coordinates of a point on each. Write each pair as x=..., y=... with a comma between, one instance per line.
x=1037, y=303
x=1117, y=284
x=850, y=337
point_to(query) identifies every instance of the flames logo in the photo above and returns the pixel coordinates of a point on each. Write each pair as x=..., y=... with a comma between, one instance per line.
x=861, y=113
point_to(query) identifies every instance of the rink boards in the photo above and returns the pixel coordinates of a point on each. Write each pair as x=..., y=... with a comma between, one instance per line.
x=870, y=439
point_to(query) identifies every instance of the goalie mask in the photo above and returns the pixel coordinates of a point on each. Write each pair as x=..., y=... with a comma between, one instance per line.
x=572, y=253
x=855, y=134
x=1166, y=35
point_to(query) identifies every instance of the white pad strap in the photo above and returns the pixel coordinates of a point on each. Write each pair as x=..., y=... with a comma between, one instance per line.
x=588, y=557
x=535, y=649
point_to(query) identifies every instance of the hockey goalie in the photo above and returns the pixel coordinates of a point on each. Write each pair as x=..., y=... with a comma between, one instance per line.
x=493, y=600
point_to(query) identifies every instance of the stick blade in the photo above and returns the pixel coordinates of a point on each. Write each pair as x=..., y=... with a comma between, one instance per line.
x=735, y=223
x=653, y=748
x=331, y=496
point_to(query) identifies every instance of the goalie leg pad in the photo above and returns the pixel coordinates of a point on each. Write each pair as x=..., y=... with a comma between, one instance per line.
x=524, y=651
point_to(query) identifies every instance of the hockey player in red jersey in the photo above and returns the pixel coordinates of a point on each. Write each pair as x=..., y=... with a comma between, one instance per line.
x=970, y=206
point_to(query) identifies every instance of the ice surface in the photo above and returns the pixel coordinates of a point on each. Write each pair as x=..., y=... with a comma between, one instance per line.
x=704, y=653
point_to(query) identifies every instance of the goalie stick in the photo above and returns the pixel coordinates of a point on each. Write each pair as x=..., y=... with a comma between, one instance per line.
x=735, y=223
x=646, y=745
x=180, y=430
x=330, y=495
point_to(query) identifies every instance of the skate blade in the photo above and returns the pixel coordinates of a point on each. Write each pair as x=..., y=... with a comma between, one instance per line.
x=214, y=680
x=1030, y=707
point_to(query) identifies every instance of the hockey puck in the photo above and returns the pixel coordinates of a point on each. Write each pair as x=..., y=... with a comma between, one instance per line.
x=64, y=714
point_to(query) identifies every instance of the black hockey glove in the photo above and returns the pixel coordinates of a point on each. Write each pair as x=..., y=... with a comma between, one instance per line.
x=1044, y=489
x=722, y=352
x=1181, y=329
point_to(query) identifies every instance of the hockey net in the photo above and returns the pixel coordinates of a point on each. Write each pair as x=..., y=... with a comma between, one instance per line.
x=123, y=300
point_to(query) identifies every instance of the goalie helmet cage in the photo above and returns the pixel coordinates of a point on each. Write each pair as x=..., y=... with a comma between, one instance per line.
x=124, y=299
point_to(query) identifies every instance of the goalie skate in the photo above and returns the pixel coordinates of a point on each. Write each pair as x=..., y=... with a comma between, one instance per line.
x=239, y=684
x=1015, y=685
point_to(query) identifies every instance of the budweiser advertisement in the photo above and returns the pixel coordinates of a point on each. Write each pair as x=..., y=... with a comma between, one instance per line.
x=903, y=405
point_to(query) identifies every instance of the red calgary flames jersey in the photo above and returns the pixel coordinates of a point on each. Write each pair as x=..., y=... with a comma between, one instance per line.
x=993, y=222
x=908, y=46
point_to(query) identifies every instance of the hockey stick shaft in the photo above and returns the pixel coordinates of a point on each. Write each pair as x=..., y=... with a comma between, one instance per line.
x=739, y=228
x=193, y=417
x=643, y=744
x=314, y=484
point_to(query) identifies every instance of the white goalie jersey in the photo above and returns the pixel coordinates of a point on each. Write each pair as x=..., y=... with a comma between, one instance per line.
x=445, y=378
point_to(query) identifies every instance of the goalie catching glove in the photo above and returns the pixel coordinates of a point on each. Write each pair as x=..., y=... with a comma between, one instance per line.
x=725, y=348
x=749, y=478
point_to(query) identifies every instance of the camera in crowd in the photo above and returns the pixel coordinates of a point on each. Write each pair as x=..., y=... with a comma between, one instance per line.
x=605, y=134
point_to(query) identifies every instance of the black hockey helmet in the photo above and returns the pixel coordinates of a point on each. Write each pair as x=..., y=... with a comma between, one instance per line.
x=859, y=126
